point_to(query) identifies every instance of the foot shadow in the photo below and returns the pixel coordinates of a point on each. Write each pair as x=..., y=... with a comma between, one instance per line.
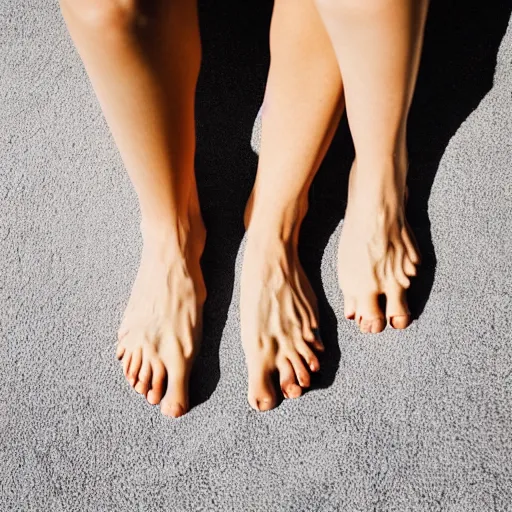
x=235, y=61
x=456, y=72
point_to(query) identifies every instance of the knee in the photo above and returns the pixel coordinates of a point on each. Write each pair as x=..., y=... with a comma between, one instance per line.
x=107, y=15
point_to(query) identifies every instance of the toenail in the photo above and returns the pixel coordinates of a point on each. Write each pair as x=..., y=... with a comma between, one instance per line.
x=392, y=319
x=294, y=391
x=175, y=411
x=261, y=404
x=303, y=383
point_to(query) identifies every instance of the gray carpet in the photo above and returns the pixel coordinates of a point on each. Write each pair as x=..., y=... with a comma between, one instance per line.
x=419, y=420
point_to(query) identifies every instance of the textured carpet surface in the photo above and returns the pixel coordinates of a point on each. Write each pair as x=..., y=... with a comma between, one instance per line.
x=415, y=420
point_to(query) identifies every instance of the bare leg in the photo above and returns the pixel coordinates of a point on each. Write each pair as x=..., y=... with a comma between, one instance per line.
x=302, y=106
x=378, y=45
x=143, y=59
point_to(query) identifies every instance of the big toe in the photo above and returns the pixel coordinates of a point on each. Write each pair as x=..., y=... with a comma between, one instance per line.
x=175, y=401
x=397, y=310
x=261, y=393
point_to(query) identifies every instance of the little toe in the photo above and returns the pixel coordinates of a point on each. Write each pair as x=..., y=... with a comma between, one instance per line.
x=120, y=350
x=287, y=380
x=309, y=298
x=317, y=342
x=409, y=266
x=308, y=332
x=312, y=337
x=135, y=364
x=399, y=269
x=350, y=308
x=411, y=245
x=157, y=382
x=127, y=358
x=261, y=393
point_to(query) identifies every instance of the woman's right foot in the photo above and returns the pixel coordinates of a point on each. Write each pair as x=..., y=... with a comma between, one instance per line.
x=377, y=254
x=160, y=332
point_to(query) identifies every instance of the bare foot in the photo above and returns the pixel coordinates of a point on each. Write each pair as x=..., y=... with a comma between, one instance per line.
x=279, y=318
x=161, y=328
x=377, y=253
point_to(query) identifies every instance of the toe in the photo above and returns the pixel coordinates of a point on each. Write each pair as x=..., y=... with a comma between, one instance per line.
x=317, y=342
x=312, y=336
x=308, y=355
x=303, y=377
x=309, y=298
x=120, y=350
x=309, y=333
x=398, y=268
x=261, y=393
x=411, y=245
x=175, y=401
x=144, y=381
x=157, y=382
x=287, y=380
x=409, y=267
x=399, y=321
x=135, y=364
x=350, y=308
x=397, y=310
x=307, y=319
x=370, y=314
x=139, y=388
x=127, y=358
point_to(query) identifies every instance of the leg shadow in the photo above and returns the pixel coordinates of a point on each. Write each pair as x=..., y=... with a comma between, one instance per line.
x=230, y=90
x=456, y=72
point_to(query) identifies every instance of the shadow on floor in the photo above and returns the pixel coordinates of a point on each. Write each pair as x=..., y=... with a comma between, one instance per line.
x=456, y=71
x=230, y=90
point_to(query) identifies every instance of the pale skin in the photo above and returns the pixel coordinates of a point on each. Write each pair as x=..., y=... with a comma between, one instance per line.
x=145, y=79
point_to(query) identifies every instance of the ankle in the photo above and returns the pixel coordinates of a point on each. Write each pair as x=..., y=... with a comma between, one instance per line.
x=165, y=232
x=277, y=219
x=274, y=227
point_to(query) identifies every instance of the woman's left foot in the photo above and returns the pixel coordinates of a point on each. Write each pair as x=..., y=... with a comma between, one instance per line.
x=377, y=254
